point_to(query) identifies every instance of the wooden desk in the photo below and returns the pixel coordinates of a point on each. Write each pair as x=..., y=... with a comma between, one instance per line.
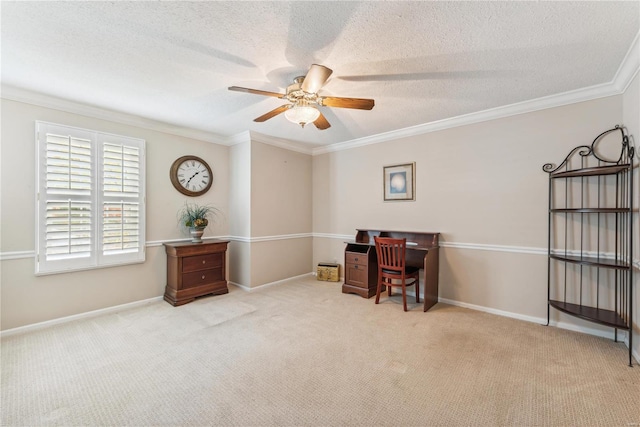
x=361, y=263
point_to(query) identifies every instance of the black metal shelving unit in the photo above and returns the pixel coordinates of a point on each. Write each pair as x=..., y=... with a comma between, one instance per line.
x=590, y=234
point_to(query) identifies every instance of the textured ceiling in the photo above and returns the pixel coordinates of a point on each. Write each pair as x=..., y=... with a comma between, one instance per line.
x=421, y=61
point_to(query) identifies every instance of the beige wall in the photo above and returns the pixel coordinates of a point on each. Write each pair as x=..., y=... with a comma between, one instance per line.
x=240, y=211
x=280, y=191
x=27, y=299
x=480, y=183
x=481, y=186
x=240, y=189
x=271, y=201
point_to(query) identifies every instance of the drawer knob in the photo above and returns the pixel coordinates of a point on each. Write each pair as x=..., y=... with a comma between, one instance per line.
x=355, y=266
x=356, y=259
x=204, y=262
x=203, y=277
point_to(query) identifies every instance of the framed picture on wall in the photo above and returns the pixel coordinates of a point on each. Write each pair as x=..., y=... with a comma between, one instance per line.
x=400, y=182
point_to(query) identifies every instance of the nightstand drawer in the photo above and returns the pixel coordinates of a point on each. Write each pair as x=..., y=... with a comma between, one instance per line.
x=202, y=262
x=357, y=275
x=356, y=258
x=203, y=277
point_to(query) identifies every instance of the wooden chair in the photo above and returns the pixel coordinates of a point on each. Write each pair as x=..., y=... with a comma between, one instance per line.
x=392, y=268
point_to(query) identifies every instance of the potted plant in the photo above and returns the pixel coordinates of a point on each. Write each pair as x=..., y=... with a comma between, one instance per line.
x=196, y=218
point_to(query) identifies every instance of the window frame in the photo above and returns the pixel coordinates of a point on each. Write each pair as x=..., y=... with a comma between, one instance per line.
x=96, y=258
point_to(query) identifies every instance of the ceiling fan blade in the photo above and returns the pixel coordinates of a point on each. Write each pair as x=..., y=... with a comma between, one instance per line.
x=358, y=103
x=273, y=113
x=315, y=78
x=256, y=91
x=321, y=122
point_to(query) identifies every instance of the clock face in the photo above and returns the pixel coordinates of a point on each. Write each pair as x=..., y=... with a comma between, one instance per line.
x=191, y=175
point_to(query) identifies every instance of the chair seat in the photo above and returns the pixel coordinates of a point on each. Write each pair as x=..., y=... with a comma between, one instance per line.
x=407, y=271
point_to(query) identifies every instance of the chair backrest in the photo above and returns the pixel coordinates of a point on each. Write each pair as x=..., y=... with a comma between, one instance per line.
x=391, y=253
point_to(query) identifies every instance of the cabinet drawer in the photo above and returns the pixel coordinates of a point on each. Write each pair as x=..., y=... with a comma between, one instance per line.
x=202, y=262
x=356, y=258
x=203, y=277
x=356, y=275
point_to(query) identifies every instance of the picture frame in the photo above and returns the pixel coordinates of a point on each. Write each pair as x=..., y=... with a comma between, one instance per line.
x=399, y=182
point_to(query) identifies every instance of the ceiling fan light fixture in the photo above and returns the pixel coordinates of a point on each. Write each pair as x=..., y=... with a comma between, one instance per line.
x=302, y=114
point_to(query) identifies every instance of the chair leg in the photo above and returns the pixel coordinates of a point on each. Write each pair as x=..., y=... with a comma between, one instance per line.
x=417, y=289
x=378, y=291
x=404, y=295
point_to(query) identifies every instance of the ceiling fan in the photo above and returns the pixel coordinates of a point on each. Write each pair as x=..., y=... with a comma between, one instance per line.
x=303, y=99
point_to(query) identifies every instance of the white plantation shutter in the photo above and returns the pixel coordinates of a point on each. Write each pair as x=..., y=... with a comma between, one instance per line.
x=68, y=229
x=122, y=204
x=68, y=196
x=90, y=199
x=120, y=227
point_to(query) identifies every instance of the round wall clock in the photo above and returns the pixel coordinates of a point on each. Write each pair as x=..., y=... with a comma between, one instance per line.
x=191, y=175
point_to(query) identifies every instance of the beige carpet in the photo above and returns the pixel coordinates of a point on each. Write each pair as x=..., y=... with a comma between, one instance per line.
x=303, y=353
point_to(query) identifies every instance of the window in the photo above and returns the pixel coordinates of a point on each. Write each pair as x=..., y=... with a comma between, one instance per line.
x=90, y=199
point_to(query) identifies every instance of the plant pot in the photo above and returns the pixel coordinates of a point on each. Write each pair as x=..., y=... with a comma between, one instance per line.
x=196, y=234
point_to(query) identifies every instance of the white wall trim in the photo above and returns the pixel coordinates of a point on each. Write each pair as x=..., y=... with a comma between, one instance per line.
x=489, y=247
x=127, y=306
x=5, y=256
x=11, y=255
x=629, y=66
x=281, y=143
x=154, y=243
x=266, y=285
x=81, y=316
x=347, y=237
x=239, y=138
x=247, y=239
x=624, y=75
x=552, y=101
x=495, y=248
x=13, y=93
x=622, y=335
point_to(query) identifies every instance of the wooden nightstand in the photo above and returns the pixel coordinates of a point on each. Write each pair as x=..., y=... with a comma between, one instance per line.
x=194, y=270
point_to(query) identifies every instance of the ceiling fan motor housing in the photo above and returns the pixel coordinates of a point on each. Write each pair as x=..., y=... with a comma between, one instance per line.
x=296, y=95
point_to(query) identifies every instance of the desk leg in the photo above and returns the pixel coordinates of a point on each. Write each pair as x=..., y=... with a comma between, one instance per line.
x=431, y=279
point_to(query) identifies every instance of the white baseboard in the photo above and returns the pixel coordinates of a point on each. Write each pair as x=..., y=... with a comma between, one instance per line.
x=532, y=319
x=87, y=315
x=107, y=310
x=622, y=336
x=266, y=285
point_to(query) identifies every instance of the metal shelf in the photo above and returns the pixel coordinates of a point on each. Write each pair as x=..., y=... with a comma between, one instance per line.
x=594, y=261
x=591, y=210
x=595, y=171
x=597, y=315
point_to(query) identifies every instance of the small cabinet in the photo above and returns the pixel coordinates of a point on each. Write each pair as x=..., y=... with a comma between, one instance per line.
x=361, y=270
x=194, y=270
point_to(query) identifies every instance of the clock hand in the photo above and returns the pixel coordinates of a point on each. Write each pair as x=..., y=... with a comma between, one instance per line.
x=192, y=176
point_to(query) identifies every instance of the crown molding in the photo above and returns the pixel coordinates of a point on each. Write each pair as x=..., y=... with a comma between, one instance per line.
x=248, y=136
x=629, y=66
x=13, y=93
x=558, y=100
x=281, y=143
x=624, y=75
x=238, y=138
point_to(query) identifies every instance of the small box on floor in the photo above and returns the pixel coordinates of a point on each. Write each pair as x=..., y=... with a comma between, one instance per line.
x=328, y=272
